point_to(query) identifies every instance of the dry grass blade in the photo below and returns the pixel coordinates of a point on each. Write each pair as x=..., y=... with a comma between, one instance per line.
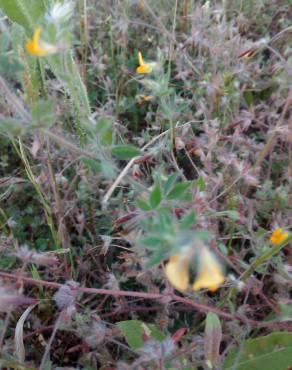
x=18, y=336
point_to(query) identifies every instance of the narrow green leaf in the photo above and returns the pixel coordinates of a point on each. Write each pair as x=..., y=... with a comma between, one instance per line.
x=178, y=190
x=248, y=96
x=155, y=197
x=212, y=340
x=169, y=182
x=126, y=151
x=104, y=129
x=233, y=215
x=188, y=220
x=200, y=182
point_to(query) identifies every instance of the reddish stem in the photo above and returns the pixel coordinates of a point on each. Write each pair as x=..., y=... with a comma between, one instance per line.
x=122, y=293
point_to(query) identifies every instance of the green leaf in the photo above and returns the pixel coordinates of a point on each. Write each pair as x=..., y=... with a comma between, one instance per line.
x=188, y=220
x=24, y=12
x=152, y=241
x=42, y=114
x=106, y=138
x=248, y=96
x=169, y=182
x=134, y=330
x=233, y=215
x=92, y=164
x=200, y=182
x=202, y=235
x=108, y=169
x=143, y=205
x=155, y=197
x=126, y=151
x=104, y=130
x=178, y=190
x=213, y=336
x=104, y=124
x=271, y=352
x=156, y=258
x=223, y=248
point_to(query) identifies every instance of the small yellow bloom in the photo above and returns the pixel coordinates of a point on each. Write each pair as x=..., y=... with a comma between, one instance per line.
x=141, y=5
x=144, y=98
x=177, y=271
x=39, y=48
x=143, y=67
x=278, y=236
x=210, y=274
x=147, y=97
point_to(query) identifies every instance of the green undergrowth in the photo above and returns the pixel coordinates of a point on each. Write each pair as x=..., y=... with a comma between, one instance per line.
x=106, y=173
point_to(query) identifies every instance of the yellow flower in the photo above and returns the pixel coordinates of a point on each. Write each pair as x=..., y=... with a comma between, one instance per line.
x=39, y=48
x=210, y=274
x=144, y=98
x=177, y=271
x=147, y=97
x=278, y=236
x=141, y=5
x=143, y=67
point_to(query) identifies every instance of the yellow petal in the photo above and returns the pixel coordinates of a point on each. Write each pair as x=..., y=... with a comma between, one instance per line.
x=177, y=272
x=37, y=47
x=145, y=68
x=210, y=274
x=140, y=59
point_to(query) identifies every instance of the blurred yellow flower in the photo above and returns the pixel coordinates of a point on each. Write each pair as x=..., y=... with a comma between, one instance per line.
x=177, y=271
x=141, y=5
x=144, y=98
x=39, y=48
x=143, y=67
x=147, y=97
x=210, y=274
x=278, y=236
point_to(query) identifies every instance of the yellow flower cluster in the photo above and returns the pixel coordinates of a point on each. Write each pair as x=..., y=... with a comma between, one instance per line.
x=210, y=275
x=278, y=236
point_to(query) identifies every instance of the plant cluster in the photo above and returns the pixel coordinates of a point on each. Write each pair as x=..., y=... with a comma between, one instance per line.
x=145, y=184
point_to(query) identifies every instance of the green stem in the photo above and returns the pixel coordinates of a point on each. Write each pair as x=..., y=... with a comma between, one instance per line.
x=42, y=79
x=171, y=47
x=256, y=263
x=265, y=257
